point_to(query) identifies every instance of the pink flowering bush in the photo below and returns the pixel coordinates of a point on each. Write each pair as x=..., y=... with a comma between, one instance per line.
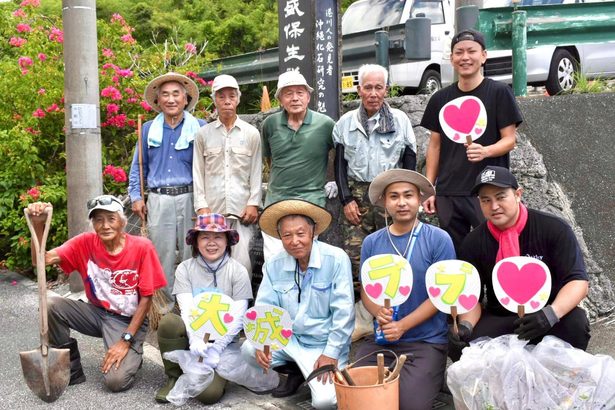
x=32, y=116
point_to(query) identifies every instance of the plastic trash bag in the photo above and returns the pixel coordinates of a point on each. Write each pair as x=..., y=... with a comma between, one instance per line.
x=196, y=376
x=234, y=368
x=505, y=373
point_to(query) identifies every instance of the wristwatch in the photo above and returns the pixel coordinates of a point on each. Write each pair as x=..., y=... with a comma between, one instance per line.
x=127, y=337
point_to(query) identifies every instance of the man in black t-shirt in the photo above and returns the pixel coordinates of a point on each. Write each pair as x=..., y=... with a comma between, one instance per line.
x=474, y=109
x=512, y=229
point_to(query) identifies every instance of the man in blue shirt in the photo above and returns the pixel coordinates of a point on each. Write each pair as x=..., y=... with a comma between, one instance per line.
x=313, y=282
x=420, y=330
x=166, y=152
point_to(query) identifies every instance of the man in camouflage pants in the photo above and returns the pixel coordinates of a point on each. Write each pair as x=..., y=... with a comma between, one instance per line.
x=368, y=141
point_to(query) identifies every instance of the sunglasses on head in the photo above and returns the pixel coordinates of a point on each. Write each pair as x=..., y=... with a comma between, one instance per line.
x=103, y=201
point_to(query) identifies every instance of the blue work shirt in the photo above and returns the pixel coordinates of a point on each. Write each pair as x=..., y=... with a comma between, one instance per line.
x=432, y=245
x=325, y=315
x=163, y=166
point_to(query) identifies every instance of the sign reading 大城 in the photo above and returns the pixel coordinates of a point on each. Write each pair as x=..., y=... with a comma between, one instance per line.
x=267, y=325
x=387, y=279
x=521, y=281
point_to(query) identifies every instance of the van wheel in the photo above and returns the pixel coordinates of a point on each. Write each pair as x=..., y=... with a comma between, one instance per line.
x=562, y=72
x=430, y=83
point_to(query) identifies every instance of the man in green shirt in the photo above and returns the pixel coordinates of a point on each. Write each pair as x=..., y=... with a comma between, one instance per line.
x=296, y=144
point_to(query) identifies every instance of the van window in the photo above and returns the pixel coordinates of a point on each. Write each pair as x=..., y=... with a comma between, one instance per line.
x=431, y=9
x=368, y=15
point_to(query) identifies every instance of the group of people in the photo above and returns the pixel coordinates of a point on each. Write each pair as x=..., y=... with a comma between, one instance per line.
x=214, y=170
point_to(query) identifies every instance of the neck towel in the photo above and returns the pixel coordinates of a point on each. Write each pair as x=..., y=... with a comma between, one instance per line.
x=508, y=239
x=189, y=129
x=386, y=123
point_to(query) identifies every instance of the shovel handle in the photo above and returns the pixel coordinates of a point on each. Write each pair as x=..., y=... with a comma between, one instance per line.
x=41, y=275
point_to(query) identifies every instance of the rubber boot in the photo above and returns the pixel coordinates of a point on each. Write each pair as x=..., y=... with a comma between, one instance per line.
x=294, y=379
x=171, y=369
x=76, y=371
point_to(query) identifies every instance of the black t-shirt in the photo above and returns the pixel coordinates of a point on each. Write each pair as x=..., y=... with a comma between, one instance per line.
x=481, y=113
x=545, y=237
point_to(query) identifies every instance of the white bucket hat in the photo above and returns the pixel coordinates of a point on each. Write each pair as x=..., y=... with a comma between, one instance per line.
x=223, y=81
x=291, y=78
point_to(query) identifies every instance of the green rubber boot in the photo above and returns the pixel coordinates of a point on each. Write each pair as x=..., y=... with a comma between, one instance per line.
x=172, y=370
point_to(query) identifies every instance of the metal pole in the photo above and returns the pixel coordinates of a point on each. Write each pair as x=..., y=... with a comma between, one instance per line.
x=519, y=42
x=382, y=48
x=82, y=118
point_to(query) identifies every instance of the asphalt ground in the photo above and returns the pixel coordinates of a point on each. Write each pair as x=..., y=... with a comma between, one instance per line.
x=19, y=332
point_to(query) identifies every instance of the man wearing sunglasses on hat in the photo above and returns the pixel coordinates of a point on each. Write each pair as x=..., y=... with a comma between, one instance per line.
x=120, y=272
x=166, y=159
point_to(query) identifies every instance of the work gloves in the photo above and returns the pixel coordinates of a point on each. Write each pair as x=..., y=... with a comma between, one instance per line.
x=463, y=337
x=210, y=352
x=199, y=348
x=331, y=189
x=536, y=324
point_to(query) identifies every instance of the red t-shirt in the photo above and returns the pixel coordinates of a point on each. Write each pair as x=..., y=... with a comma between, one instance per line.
x=114, y=282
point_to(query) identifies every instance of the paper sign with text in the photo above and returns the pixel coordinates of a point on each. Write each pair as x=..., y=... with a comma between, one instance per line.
x=453, y=283
x=267, y=325
x=387, y=276
x=211, y=313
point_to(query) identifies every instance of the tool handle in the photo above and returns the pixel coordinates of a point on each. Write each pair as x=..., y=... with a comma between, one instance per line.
x=41, y=275
x=206, y=340
x=400, y=364
x=380, y=361
x=141, y=177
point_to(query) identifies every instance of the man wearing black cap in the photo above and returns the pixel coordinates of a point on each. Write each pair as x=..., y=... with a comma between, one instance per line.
x=512, y=229
x=473, y=124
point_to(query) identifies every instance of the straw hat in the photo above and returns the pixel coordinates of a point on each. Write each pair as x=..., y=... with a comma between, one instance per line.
x=211, y=223
x=386, y=178
x=154, y=85
x=273, y=213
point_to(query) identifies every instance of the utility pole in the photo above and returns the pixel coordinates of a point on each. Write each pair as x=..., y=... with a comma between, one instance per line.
x=82, y=117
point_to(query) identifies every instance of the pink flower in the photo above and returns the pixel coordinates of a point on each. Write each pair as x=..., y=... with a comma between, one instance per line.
x=190, y=48
x=127, y=38
x=107, y=52
x=23, y=28
x=32, y=3
x=191, y=74
x=34, y=193
x=42, y=91
x=32, y=131
x=109, y=65
x=115, y=79
x=117, y=173
x=201, y=81
x=19, y=13
x=56, y=35
x=17, y=41
x=24, y=62
x=113, y=108
x=52, y=107
x=39, y=113
x=127, y=73
x=42, y=56
x=129, y=91
x=132, y=100
x=111, y=92
x=146, y=106
x=118, y=121
x=131, y=123
x=116, y=17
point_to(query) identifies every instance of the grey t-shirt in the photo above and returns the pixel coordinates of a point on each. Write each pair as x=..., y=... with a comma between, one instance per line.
x=191, y=276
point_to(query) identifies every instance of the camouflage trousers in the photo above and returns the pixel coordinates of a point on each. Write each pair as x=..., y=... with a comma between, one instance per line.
x=372, y=219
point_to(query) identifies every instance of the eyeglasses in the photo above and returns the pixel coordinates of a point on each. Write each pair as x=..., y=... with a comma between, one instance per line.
x=103, y=201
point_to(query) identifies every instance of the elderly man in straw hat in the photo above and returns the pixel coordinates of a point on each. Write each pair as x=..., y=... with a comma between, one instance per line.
x=313, y=282
x=121, y=272
x=227, y=167
x=296, y=144
x=166, y=152
x=417, y=328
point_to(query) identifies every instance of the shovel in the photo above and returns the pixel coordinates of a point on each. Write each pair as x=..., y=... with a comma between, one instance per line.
x=46, y=369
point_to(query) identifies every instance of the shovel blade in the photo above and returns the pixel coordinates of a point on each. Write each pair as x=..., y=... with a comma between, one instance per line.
x=47, y=376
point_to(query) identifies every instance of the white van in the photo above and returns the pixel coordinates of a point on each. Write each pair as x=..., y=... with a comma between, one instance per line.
x=555, y=67
x=421, y=76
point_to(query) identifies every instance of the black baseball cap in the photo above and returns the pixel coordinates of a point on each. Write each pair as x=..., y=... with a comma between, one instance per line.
x=468, y=34
x=494, y=175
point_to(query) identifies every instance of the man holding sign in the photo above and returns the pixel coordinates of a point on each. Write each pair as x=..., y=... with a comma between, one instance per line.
x=473, y=123
x=514, y=230
x=421, y=329
x=312, y=281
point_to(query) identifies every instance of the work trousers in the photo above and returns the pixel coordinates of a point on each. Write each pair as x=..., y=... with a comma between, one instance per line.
x=241, y=251
x=458, y=215
x=65, y=314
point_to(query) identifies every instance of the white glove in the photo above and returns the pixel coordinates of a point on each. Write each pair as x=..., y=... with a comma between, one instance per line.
x=199, y=348
x=331, y=189
x=212, y=358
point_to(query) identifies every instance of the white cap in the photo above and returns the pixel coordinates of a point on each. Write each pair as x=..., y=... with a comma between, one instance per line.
x=291, y=78
x=224, y=81
x=106, y=203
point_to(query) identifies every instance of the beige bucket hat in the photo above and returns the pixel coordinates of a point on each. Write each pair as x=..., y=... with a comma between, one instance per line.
x=386, y=178
x=152, y=89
